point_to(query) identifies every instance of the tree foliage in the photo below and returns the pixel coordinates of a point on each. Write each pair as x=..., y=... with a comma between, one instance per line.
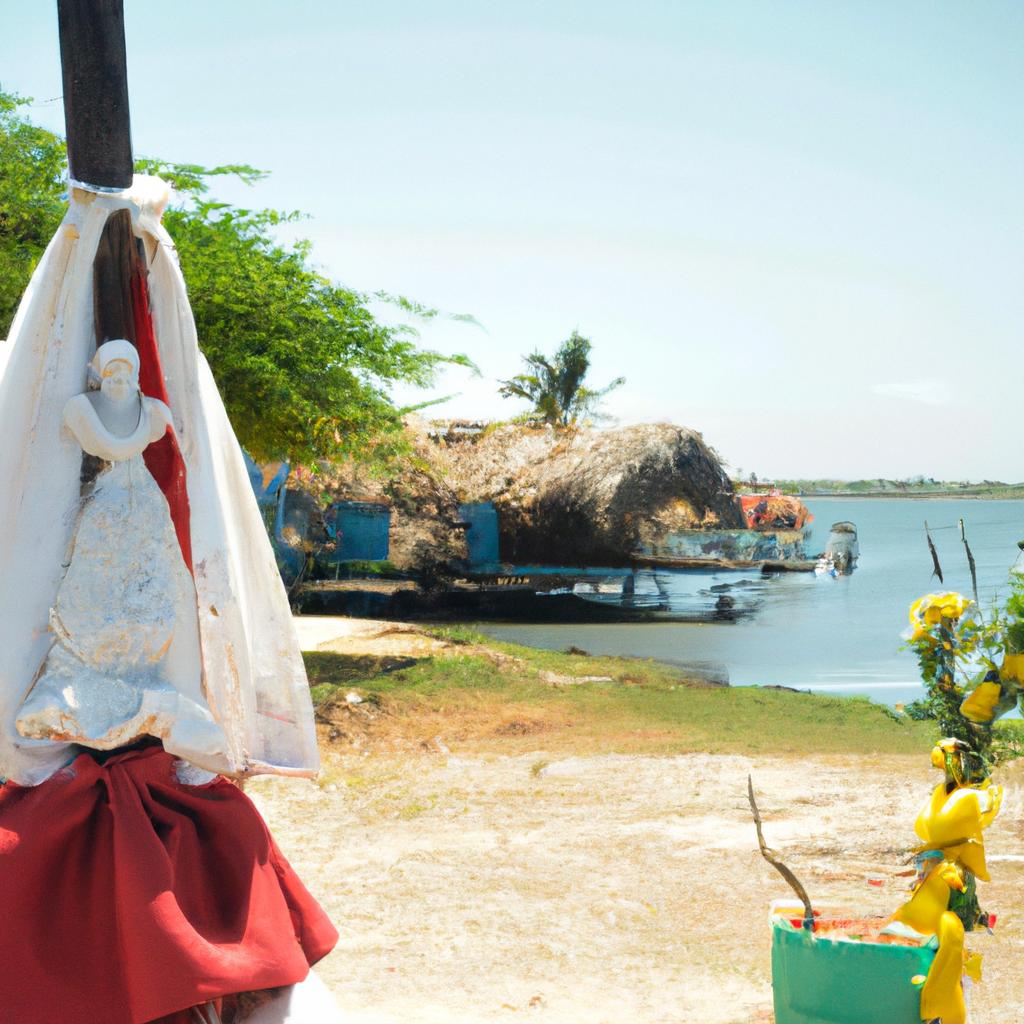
x=32, y=165
x=304, y=367
x=555, y=386
x=968, y=657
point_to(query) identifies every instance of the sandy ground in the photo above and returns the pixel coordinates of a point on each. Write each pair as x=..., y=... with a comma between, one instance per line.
x=602, y=888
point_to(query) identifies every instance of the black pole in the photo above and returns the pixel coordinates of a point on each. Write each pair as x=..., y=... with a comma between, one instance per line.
x=92, y=55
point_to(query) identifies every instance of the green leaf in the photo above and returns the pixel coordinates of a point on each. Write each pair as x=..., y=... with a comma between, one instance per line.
x=556, y=388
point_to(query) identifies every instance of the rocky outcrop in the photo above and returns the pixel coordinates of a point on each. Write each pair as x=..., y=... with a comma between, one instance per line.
x=590, y=497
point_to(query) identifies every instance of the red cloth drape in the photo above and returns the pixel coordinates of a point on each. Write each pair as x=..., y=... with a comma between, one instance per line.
x=163, y=458
x=126, y=896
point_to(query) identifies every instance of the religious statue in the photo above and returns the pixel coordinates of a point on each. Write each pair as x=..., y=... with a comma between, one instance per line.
x=125, y=659
x=149, y=659
x=149, y=603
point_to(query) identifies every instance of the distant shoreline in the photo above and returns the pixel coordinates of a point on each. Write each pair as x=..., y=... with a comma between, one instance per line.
x=999, y=492
x=931, y=495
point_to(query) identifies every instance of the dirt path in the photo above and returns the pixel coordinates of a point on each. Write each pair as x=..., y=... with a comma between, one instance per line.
x=378, y=638
x=606, y=888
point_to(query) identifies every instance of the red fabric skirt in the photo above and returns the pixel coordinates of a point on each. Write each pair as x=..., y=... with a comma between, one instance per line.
x=126, y=896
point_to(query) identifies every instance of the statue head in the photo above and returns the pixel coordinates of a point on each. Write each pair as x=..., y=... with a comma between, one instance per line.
x=117, y=365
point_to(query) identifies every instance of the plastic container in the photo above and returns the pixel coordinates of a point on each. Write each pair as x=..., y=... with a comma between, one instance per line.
x=845, y=981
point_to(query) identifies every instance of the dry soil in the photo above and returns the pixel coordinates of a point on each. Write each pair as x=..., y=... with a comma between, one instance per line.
x=551, y=888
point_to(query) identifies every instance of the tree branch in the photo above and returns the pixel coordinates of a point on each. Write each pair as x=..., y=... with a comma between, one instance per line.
x=770, y=856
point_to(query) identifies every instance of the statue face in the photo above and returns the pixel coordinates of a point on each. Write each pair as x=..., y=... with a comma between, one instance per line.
x=118, y=381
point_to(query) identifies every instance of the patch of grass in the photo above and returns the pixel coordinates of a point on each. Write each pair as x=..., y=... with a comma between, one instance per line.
x=331, y=673
x=457, y=634
x=494, y=696
x=356, y=569
x=414, y=809
x=1008, y=741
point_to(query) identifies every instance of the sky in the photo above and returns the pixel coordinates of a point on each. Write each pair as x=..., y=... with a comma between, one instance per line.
x=795, y=227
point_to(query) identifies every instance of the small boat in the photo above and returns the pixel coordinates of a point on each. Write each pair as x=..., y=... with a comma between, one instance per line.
x=842, y=548
x=825, y=567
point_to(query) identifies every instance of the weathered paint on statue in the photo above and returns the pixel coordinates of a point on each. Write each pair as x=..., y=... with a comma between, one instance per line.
x=108, y=636
x=125, y=660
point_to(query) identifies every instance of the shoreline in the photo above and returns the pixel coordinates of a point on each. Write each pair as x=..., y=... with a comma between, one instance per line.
x=357, y=635
x=940, y=495
x=377, y=683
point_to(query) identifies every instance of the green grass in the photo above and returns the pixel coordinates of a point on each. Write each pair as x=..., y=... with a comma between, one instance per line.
x=361, y=568
x=502, y=700
x=1009, y=739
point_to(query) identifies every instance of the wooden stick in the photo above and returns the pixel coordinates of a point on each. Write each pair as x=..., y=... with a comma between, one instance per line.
x=970, y=563
x=206, y=1014
x=770, y=856
x=936, y=568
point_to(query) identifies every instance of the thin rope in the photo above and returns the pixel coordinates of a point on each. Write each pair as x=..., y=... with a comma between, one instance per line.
x=914, y=529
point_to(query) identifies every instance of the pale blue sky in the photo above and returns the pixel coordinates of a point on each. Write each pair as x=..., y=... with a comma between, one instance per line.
x=793, y=226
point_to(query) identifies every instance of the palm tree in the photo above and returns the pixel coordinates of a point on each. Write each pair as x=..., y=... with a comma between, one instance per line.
x=555, y=386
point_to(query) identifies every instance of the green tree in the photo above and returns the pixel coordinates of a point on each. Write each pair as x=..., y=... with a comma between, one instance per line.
x=32, y=164
x=555, y=386
x=304, y=367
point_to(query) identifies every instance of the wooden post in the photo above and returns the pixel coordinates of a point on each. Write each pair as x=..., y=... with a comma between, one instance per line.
x=96, y=116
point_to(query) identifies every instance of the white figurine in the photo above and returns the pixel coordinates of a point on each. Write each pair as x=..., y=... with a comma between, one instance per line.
x=125, y=660
x=92, y=592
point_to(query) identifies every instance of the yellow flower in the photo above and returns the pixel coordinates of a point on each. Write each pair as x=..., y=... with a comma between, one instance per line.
x=931, y=609
x=980, y=705
x=953, y=605
x=1012, y=667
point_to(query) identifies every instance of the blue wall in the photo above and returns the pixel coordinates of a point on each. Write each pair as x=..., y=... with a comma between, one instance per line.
x=362, y=530
x=482, y=535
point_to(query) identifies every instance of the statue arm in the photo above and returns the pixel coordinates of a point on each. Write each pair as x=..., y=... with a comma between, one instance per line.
x=161, y=419
x=83, y=423
x=76, y=422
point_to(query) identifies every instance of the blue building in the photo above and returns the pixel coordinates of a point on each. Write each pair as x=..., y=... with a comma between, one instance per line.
x=361, y=530
x=482, y=535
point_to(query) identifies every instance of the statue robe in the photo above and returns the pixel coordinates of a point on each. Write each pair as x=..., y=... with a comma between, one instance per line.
x=254, y=678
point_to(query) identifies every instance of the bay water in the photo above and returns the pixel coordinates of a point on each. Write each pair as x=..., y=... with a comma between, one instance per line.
x=831, y=635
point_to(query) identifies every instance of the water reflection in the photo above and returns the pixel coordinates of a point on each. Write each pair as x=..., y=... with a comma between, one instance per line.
x=838, y=635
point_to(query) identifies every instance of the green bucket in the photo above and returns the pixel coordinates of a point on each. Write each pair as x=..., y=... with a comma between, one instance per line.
x=823, y=981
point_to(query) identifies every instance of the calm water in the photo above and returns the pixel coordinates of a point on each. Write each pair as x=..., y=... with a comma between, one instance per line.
x=840, y=635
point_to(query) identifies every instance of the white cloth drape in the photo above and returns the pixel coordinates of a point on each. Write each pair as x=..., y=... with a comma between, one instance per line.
x=309, y=1002
x=254, y=676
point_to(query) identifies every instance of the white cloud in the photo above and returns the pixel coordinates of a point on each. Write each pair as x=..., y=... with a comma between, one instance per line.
x=930, y=390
